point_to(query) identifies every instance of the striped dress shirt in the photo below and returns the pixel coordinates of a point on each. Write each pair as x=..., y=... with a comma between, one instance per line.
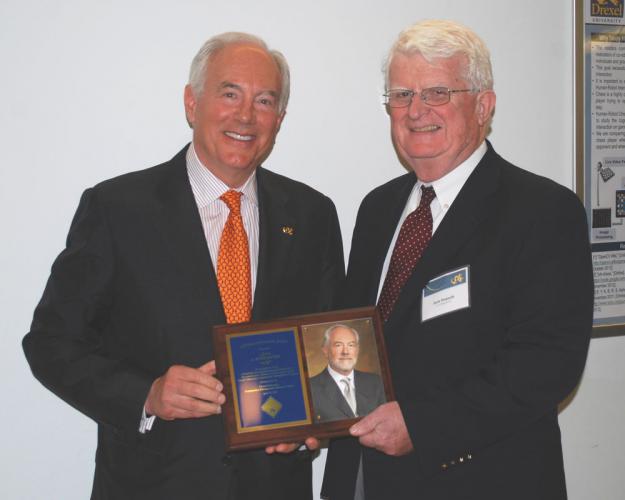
x=207, y=189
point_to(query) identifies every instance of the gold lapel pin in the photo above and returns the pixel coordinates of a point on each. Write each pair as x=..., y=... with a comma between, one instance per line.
x=287, y=230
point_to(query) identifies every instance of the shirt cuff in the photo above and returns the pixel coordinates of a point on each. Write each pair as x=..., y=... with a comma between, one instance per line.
x=146, y=422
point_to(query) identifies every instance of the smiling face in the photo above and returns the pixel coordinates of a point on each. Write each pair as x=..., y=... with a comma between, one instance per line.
x=433, y=140
x=342, y=350
x=236, y=118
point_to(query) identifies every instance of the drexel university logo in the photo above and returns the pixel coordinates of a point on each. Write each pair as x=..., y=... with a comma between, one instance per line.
x=606, y=8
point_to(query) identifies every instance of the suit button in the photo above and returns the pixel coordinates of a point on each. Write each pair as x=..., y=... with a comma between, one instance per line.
x=461, y=459
x=444, y=466
x=469, y=457
x=453, y=462
x=226, y=460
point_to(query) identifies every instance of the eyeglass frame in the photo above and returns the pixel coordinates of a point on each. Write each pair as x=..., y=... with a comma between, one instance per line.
x=449, y=91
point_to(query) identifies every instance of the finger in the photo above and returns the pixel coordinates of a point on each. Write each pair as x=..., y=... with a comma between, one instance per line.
x=370, y=440
x=202, y=392
x=202, y=376
x=365, y=426
x=195, y=376
x=185, y=407
x=287, y=447
x=312, y=443
x=209, y=368
x=282, y=448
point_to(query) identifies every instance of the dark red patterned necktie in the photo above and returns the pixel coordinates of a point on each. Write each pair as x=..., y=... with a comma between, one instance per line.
x=414, y=236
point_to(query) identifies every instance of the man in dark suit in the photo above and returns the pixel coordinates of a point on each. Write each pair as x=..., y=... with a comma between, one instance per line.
x=482, y=272
x=155, y=258
x=340, y=391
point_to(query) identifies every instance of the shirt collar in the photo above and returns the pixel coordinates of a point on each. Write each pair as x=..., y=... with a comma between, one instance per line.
x=339, y=376
x=448, y=186
x=207, y=187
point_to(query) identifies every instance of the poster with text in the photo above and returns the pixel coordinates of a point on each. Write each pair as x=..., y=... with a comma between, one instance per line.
x=604, y=154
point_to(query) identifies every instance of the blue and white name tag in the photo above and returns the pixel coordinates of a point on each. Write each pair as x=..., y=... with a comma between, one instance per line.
x=446, y=293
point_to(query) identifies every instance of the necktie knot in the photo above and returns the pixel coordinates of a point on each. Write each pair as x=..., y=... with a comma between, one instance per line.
x=427, y=195
x=232, y=199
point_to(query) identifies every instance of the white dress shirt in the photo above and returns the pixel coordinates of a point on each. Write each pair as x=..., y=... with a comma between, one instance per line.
x=446, y=189
x=338, y=377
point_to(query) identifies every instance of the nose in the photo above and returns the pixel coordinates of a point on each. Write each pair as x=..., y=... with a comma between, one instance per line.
x=417, y=107
x=246, y=113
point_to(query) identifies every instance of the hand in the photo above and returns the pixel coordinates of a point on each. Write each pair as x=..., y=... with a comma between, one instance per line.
x=311, y=443
x=184, y=392
x=385, y=430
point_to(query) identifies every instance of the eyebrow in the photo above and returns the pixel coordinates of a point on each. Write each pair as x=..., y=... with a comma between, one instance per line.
x=231, y=85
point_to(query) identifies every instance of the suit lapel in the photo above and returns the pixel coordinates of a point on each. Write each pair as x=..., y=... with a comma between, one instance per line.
x=363, y=399
x=384, y=227
x=472, y=205
x=180, y=224
x=275, y=223
x=335, y=396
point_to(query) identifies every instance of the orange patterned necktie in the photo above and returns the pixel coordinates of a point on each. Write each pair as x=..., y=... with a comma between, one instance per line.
x=233, y=263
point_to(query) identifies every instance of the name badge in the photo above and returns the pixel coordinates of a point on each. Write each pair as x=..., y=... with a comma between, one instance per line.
x=446, y=293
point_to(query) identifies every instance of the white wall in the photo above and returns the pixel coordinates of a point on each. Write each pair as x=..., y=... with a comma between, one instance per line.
x=91, y=89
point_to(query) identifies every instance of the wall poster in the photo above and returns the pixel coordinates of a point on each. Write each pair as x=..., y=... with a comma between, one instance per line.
x=600, y=151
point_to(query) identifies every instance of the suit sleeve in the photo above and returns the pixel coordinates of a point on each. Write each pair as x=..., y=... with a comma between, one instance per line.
x=66, y=346
x=545, y=324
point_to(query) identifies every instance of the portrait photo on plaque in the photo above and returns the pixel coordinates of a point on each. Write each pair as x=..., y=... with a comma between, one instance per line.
x=303, y=376
x=343, y=369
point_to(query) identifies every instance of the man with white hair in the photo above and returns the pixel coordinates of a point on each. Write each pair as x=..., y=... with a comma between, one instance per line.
x=155, y=258
x=340, y=391
x=483, y=277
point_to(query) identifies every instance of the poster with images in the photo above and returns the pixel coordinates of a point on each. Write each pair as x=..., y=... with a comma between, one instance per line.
x=604, y=157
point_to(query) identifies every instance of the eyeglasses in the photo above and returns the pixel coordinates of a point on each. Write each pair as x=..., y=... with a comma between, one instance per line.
x=434, y=96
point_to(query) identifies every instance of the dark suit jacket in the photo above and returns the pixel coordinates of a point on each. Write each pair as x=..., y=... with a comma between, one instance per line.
x=134, y=292
x=479, y=387
x=330, y=404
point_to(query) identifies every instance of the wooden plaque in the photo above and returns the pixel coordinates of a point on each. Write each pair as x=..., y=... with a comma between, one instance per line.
x=266, y=368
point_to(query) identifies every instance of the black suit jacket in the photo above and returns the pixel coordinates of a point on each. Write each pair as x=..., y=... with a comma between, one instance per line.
x=134, y=292
x=330, y=404
x=479, y=387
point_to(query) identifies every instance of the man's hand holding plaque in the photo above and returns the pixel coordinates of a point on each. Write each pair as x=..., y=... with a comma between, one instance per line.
x=185, y=392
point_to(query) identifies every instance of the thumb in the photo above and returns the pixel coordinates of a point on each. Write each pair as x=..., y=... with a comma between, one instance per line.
x=208, y=368
x=365, y=426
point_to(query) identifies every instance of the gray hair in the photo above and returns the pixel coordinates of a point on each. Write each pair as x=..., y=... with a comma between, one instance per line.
x=200, y=63
x=435, y=39
x=328, y=332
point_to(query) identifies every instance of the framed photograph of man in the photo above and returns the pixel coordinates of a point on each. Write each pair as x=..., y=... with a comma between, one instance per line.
x=309, y=375
x=343, y=368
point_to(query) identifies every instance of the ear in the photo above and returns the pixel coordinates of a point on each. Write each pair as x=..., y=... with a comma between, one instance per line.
x=485, y=106
x=280, y=118
x=190, y=103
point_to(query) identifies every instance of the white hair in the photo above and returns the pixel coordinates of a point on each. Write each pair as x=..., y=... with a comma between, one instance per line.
x=435, y=39
x=200, y=64
x=328, y=332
